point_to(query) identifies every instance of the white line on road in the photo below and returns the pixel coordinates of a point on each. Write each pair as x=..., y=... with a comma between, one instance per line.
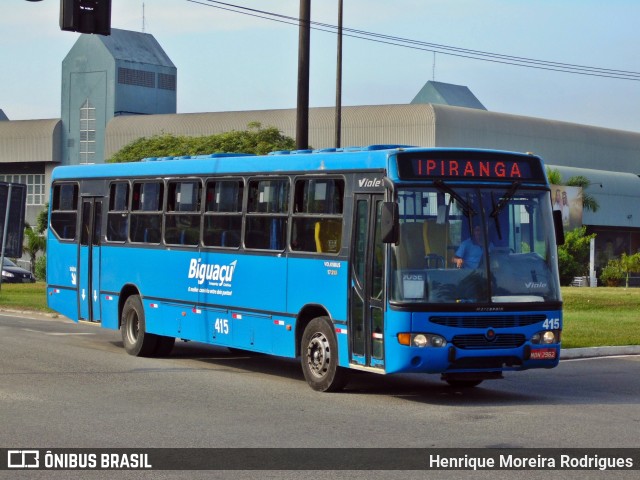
x=56, y=333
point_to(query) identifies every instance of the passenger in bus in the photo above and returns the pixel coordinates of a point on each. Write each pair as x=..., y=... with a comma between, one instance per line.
x=469, y=253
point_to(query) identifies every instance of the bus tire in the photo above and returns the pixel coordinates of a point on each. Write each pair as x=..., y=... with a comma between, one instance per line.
x=319, y=357
x=136, y=340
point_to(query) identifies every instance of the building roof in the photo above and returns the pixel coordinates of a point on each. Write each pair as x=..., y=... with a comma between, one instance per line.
x=30, y=141
x=559, y=143
x=3, y=117
x=125, y=45
x=615, y=192
x=135, y=47
x=447, y=94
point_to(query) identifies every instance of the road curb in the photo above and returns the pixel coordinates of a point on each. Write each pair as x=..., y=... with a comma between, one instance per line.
x=594, y=352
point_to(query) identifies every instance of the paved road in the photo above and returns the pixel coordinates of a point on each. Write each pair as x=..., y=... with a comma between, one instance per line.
x=68, y=385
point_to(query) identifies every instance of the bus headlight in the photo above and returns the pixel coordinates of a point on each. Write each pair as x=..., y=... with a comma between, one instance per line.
x=421, y=340
x=546, y=337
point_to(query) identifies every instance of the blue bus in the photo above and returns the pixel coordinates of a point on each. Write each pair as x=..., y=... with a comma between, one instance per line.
x=347, y=259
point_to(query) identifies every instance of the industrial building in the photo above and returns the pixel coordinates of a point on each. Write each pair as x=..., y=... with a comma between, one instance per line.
x=119, y=88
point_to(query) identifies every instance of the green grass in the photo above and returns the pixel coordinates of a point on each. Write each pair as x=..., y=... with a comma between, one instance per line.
x=593, y=317
x=602, y=316
x=24, y=296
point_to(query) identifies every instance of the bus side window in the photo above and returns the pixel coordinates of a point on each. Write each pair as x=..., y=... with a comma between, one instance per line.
x=118, y=214
x=267, y=214
x=146, y=212
x=182, y=219
x=64, y=210
x=223, y=213
x=317, y=215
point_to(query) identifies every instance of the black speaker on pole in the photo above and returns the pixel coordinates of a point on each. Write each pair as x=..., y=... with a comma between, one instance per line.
x=86, y=16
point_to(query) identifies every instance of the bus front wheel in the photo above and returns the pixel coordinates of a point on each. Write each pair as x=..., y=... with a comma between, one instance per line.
x=319, y=352
x=135, y=338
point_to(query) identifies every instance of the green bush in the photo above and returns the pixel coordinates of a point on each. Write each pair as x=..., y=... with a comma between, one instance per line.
x=41, y=268
x=612, y=274
x=256, y=140
x=573, y=256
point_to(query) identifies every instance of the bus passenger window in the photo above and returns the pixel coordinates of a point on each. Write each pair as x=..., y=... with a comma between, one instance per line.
x=146, y=212
x=118, y=214
x=223, y=213
x=267, y=214
x=182, y=219
x=317, y=215
x=64, y=210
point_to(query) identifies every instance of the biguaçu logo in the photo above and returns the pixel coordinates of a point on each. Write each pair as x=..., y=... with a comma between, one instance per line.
x=212, y=272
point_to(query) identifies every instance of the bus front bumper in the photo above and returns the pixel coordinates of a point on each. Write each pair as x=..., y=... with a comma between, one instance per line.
x=450, y=359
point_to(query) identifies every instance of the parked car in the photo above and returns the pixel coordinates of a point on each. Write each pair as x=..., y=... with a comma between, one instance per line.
x=11, y=273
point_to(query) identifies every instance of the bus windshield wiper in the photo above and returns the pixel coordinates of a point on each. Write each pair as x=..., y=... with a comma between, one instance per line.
x=508, y=195
x=466, y=208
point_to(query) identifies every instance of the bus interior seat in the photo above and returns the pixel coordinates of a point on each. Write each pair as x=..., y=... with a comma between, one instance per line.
x=411, y=246
x=276, y=239
x=436, y=239
x=327, y=234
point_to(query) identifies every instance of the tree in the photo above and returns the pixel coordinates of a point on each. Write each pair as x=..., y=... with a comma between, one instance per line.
x=573, y=256
x=255, y=140
x=34, y=242
x=42, y=219
x=629, y=264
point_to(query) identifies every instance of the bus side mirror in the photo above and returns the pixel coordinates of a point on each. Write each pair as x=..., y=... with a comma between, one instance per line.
x=389, y=222
x=557, y=223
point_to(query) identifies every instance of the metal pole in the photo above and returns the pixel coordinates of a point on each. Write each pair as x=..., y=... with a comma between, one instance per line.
x=339, y=79
x=4, y=232
x=302, y=113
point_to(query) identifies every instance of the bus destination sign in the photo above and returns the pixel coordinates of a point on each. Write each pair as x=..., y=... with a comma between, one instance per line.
x=499, y=167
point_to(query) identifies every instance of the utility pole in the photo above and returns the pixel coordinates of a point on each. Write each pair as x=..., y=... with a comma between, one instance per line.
x=304, y=41
x=339, y=80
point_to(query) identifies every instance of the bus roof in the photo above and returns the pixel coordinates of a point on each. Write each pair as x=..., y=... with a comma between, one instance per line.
x=373, y=157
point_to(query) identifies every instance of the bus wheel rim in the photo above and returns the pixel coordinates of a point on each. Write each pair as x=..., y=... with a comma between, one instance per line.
x=133, y=327
x=318, y=355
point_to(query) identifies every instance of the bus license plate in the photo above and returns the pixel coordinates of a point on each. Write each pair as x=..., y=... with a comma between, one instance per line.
x=543, y=354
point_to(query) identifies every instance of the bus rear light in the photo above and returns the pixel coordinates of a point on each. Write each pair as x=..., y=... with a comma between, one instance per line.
x=421, y=340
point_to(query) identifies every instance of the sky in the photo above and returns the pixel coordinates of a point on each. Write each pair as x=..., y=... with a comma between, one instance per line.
x=227, y=61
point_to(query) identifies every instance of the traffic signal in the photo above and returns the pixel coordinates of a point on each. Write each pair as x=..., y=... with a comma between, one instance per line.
x=86, y=16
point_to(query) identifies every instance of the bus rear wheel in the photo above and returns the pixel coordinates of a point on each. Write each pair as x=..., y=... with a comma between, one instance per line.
x=135, y=338
x=319, y=352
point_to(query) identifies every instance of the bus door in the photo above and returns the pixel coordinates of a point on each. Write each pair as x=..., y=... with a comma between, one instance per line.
x=366, y=309
x=89, y=259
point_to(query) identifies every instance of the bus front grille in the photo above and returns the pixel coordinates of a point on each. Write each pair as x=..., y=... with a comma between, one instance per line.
x=490, y=321
x=477, y=342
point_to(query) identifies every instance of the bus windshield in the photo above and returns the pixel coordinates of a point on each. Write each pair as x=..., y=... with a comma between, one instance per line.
x=482, y=245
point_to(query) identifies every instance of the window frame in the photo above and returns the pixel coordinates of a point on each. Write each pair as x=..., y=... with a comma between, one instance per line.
x=256, y=216
x=176, y=214
x=304, y=216
x=57, y=211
